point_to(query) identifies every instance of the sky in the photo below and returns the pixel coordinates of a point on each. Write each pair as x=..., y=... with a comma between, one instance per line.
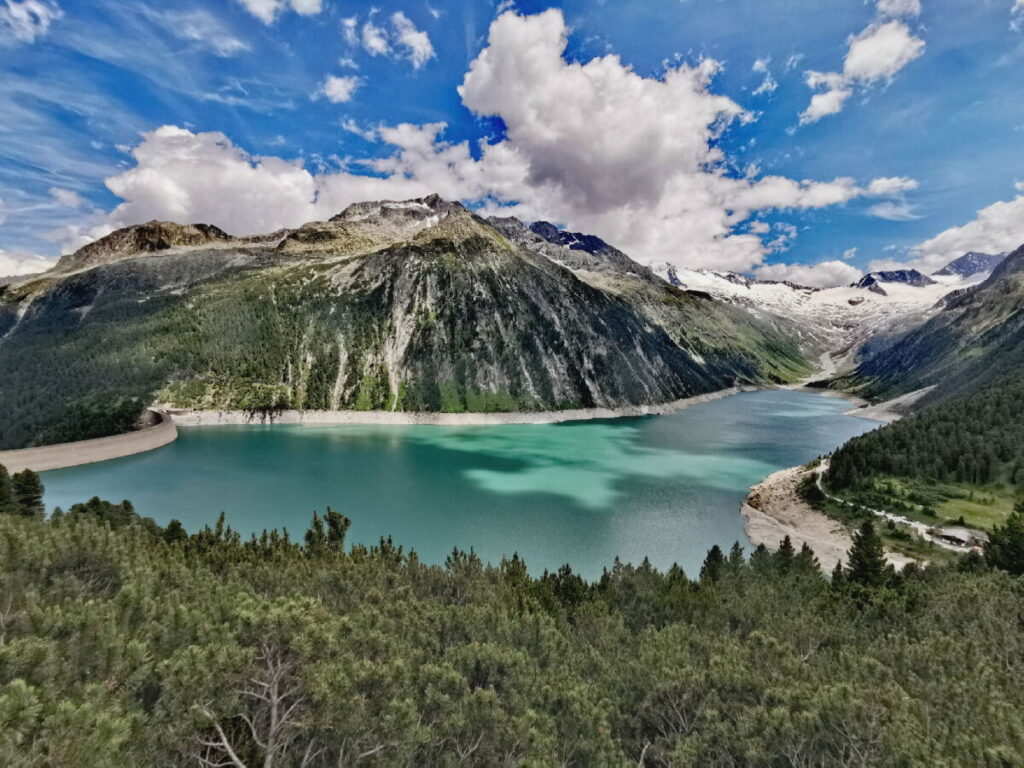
x=788, y=139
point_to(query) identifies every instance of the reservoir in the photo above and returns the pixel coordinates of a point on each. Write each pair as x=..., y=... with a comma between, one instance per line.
x=663, y=487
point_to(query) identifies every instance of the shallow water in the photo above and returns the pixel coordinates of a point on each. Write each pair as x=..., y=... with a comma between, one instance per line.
x=665, y=487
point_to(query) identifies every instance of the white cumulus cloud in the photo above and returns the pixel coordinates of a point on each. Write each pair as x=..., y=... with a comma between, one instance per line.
x=14, y=263
x=268, y=10
x=66, y=197
x=894, y=210
x=23, y=21
x=339, y=89
x=996, y=228
x=877, y=54
x=399, y=38
x=900, y=8
x=593, y=145
x=768, y=84
x=414, y=42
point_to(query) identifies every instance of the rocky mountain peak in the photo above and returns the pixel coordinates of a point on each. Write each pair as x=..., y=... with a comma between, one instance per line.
x=150, y=237
x=972, y=263
x=399, y=210
x=873, y=280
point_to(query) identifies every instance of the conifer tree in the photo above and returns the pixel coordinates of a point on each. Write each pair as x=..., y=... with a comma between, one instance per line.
x=7, y=503
x=337, y=528
x=28, y=493
x=867, y=565
x=1005, y=547
x=711, y=570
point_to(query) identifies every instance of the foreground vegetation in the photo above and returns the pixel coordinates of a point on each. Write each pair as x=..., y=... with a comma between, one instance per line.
x=124, y=643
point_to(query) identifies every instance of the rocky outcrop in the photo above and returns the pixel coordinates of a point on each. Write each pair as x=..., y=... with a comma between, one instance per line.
x=874, y=281
x=141, y=238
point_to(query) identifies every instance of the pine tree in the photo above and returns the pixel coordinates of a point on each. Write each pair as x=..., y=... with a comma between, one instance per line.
x=1005, y=547
x=7, y=503
x=315, y=536
x=175, y=532
x=337, y=527
x=867, y=565
x=711, y=570
x=806, y=560
x=28, y=493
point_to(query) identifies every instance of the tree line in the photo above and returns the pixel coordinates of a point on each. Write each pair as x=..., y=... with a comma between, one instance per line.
x=123, y=642
x=977, y=439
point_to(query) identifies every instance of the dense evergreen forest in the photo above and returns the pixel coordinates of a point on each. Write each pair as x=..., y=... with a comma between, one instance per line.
x=976, y=439
x=124, y=643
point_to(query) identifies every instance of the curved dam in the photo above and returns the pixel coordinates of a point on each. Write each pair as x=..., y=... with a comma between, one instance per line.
x=159, y=432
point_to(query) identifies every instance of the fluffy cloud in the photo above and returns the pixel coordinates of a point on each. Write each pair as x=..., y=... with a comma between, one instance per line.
x=1017, y=16
x=995, y=229
x=873, y=56
x=15, y=263
x=894, y=210
x=339, y=89
x=400, y=39
x=268, y=10
x=22, y=21
x=66, y=198
x=891, y=185
x=824, y=274
x=413, y=42
x=592, y=145
x=769, y=84
x=901, y=8
x=375, y=39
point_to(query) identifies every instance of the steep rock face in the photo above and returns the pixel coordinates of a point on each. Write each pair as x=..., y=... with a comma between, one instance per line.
x=875, y=281
x=977, y=337
x=418, y=305
x=587, y=251
x=972, y=263
x=728, y=342
x=142, y=238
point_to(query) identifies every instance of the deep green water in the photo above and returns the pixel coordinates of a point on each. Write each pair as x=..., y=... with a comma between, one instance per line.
x=666, y=487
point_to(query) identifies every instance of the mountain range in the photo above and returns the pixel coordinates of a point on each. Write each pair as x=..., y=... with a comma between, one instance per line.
x=418, y=305
x=422, y=305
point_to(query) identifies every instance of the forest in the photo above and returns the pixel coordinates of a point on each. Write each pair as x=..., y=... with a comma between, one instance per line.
x=123, y=642
x=976, y=439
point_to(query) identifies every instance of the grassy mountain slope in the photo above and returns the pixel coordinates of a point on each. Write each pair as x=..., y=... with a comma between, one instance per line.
x=407, y=306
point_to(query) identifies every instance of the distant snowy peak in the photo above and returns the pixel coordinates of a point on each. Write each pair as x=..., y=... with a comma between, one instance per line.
x=972, y=263
x=837, y=320
x=874, y=281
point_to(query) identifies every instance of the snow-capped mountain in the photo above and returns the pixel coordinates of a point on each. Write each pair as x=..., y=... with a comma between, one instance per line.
x=972, y=263
x=874, y=281
x=834, y=322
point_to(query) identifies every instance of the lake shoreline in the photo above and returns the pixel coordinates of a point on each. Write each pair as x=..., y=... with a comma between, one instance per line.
x=187, y=417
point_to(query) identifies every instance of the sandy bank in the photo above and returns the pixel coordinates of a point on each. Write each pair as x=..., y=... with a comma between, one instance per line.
x=160, y=432
x=200, y=418
x=890, y=410
x=773, y=510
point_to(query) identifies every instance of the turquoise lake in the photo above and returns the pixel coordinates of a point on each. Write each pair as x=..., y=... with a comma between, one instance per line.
x=665, y=487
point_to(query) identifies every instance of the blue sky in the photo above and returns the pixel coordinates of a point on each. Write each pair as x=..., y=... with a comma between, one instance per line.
x=931, y=95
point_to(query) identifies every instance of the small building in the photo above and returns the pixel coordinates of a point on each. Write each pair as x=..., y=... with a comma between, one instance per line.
x=961, y=537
